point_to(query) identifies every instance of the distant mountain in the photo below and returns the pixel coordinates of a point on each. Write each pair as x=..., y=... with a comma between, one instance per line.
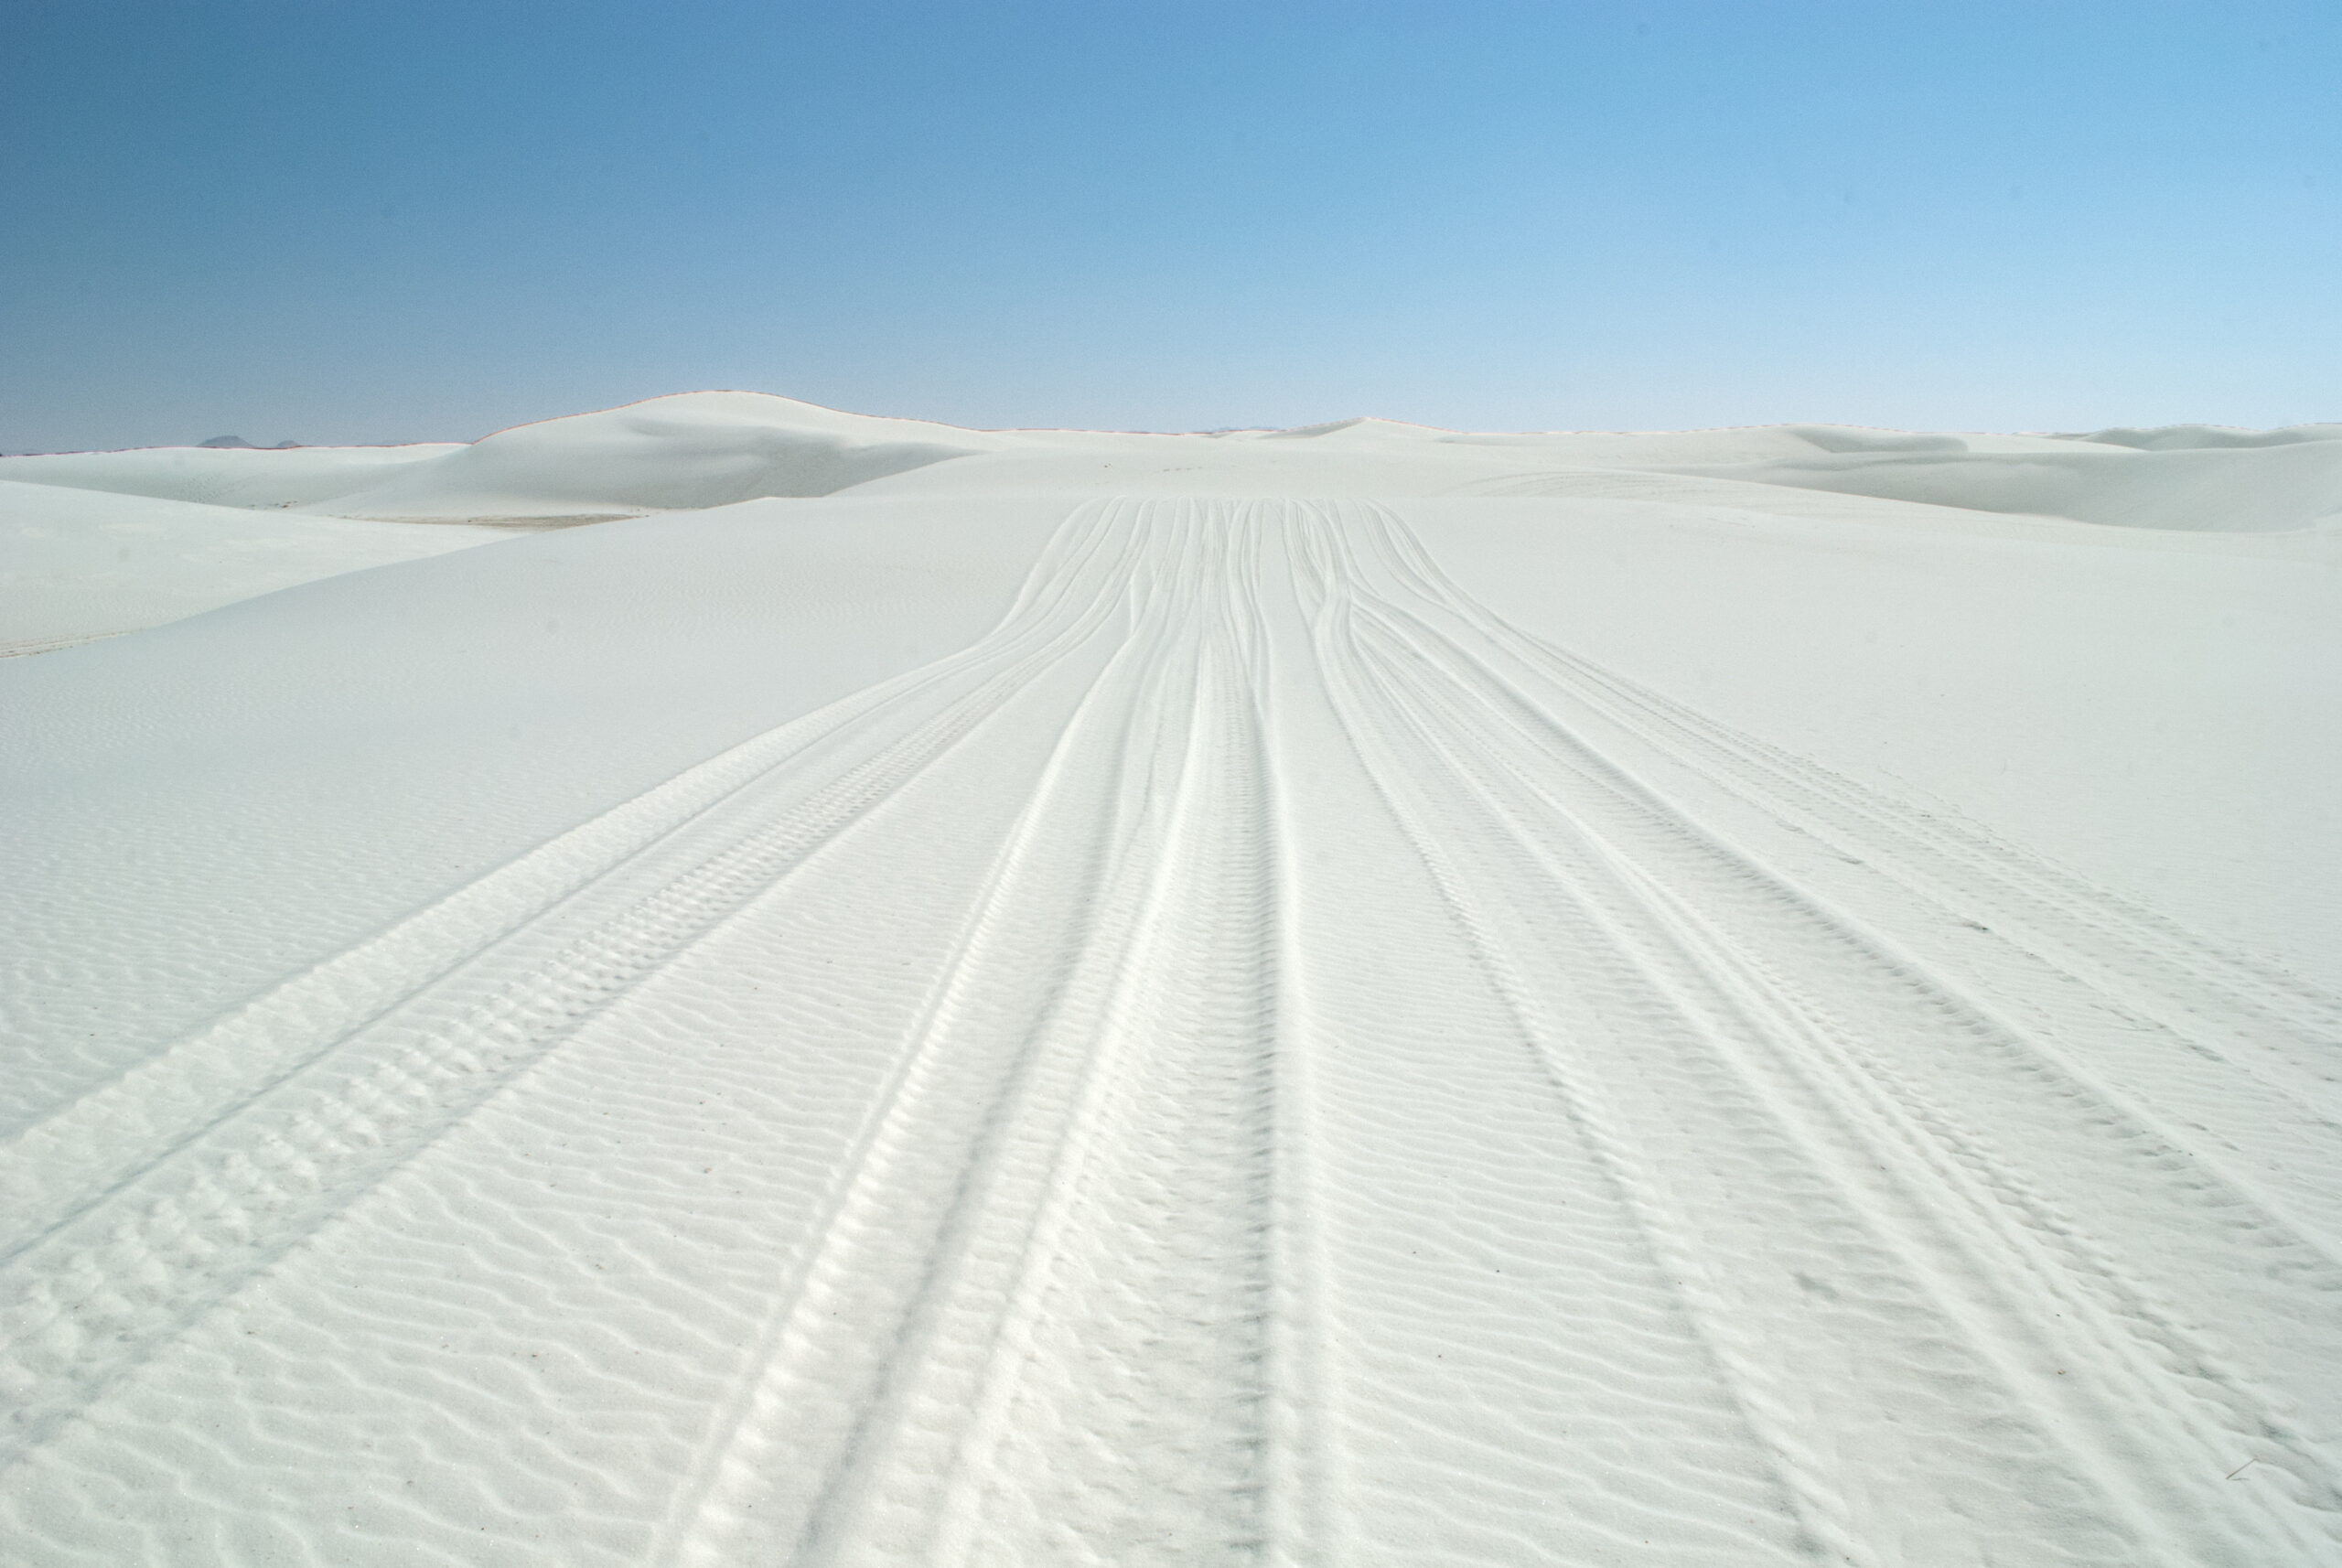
x=226, y=441
x=238, y=440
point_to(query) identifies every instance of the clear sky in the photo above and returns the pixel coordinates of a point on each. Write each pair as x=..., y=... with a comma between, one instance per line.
x=319, y=220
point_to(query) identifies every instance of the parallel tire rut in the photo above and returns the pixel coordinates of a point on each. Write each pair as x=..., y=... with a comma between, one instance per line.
x=1256, y=1061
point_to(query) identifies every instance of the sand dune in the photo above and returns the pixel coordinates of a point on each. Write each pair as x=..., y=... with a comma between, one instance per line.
x=230, y=477
x=78, y=563
x=2185, y=438
x=1354, y=995
x=2274, y=488
x=699, y=450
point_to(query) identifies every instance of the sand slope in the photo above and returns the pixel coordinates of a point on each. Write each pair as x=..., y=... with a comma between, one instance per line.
x=1572, y=1012
x=78, y=563
x=2279, y=487
x=215, y=477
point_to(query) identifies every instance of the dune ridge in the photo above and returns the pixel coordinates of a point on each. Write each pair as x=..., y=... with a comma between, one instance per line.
x=696, y=450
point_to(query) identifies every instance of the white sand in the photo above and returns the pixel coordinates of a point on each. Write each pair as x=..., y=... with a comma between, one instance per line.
x=1355, y=995
x=76, y=564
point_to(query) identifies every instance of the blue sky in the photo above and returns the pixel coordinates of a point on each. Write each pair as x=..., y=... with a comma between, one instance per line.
x=321, y=221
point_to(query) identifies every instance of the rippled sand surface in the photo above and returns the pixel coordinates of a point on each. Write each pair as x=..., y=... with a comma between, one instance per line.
x=1356, y=1030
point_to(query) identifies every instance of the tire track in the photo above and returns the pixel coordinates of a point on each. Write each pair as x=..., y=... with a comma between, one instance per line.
x=1349, y=1102
x=1803, y=1476
x=989, y=1082
x=1971, y=1255
x=97, y=1277
x=1998, y=1244
x=1135, y=1323
x=1628, y=1180
x=275, y=1031
x=2071, y=1046
x=1300, y=1465
x=1958, y=867
x=2153, y=943
x=213, y=1072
